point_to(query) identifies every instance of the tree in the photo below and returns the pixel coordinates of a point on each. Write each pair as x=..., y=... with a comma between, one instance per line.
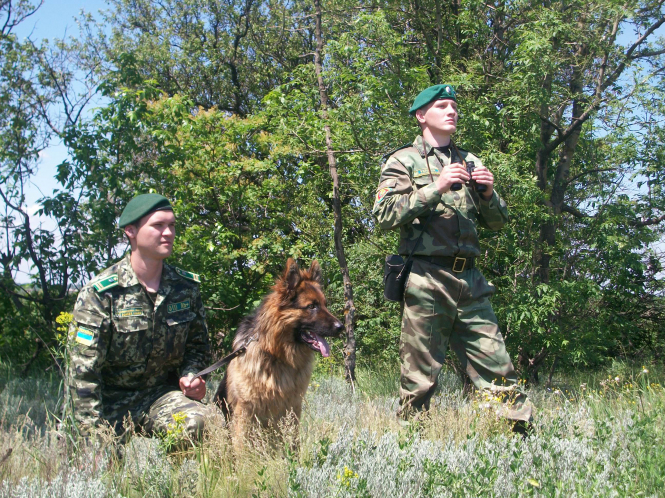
x=37, y=102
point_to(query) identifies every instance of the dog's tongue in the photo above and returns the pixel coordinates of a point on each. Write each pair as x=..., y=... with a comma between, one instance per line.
x=324, y=348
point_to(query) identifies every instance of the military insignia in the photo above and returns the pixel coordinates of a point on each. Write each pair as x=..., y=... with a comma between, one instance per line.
x=174, y=307
x=107, y=283
x=447, y=89
x=188, y=275
x=84, y=336
x=125, y=312
x=381, y=193
x=423, y=172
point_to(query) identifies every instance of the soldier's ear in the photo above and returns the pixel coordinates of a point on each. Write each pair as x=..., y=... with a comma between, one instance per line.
x=130, y=232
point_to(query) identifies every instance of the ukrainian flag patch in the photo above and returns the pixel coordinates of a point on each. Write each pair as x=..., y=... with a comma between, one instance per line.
x=185, y=305
x=84, y=336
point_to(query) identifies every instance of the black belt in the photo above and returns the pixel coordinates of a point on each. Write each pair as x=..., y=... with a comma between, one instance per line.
x=456, y=264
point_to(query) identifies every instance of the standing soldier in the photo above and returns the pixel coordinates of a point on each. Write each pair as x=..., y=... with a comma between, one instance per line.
x=446, y=299
x=139, y=333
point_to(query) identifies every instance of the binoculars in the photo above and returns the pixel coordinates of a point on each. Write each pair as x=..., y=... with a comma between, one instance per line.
x=480, y=188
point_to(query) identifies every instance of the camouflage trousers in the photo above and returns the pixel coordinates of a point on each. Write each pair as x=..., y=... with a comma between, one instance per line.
x=443, y=308
x=155, y=415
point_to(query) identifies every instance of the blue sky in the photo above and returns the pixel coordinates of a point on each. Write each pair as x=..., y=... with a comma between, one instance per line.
x=54, y=19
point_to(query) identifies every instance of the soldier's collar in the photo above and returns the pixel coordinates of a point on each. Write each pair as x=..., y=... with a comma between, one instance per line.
x=423, y=147
x=169, y=273
x=126, y=275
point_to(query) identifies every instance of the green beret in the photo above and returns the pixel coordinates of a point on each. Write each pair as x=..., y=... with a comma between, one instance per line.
x=436, y=92
x=142, y=205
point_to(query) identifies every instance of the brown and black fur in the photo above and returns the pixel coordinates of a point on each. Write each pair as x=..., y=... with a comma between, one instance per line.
x=269, y=381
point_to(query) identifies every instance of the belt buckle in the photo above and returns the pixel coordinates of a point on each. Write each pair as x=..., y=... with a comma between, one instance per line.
x=458, y=260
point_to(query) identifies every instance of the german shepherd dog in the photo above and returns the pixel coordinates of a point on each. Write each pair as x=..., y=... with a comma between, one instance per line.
x=269, y=380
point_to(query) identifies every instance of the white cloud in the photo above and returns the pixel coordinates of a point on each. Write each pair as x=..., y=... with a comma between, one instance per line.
x=32, y=210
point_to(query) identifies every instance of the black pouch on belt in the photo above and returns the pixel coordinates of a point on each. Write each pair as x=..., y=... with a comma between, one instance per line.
x=395, y=274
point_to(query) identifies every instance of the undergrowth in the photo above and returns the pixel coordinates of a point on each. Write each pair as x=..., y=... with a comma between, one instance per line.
x=594, y=434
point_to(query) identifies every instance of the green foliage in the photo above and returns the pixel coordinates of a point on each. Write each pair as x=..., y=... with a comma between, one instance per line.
x=217, y=107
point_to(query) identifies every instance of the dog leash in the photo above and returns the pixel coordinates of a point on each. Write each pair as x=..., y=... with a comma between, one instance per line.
x=227, y=358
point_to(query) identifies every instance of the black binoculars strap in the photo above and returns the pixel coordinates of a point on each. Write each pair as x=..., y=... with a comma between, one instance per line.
x=458, y=154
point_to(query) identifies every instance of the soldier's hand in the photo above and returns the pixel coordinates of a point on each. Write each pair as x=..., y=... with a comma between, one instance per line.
x=194, y=389
x=453, y=173
x=485, y=177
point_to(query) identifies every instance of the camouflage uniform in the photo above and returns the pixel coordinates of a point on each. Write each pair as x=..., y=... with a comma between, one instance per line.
x=443, y=306
x=127, y=354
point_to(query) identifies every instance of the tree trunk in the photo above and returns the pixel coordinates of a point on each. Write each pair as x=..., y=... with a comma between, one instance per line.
x=349, y=308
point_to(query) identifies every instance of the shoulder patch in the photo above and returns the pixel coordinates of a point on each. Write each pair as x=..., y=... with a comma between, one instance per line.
x=386, y=156
x=85, y=336
x=381, y=193
x=188, y=275
x=107, y=283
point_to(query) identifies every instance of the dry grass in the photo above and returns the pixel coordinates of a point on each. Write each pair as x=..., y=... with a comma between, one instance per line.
x=588, y=441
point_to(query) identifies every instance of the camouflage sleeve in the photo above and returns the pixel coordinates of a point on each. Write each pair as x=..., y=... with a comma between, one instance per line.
x=493, y=212
x=197, y=349
x=396, y=202
x=88, y=344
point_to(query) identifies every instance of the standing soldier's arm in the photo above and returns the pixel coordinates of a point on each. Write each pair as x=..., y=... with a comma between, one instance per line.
x=396, y=202
x=197, y=348
x=493, y=213
x=88, y=342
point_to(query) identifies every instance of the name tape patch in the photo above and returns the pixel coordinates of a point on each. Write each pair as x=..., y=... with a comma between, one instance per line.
x=423, y=172
x=184, y=305
x=125, y=312
x=84, y=336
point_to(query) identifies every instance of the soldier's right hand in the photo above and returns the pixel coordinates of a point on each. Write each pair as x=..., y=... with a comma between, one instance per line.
x=453, y=173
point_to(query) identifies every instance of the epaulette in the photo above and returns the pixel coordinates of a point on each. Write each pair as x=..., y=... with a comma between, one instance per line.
x=188, y=275
x=106, y=283
x=386, y=156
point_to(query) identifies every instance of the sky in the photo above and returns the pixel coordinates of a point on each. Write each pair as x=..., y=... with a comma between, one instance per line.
x=54, y=19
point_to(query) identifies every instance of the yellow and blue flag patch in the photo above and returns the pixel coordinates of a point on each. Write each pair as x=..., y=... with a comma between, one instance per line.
x=85, y=336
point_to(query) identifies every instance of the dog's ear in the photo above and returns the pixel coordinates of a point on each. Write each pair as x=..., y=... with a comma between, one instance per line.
x=291, y=276
x=315, y=271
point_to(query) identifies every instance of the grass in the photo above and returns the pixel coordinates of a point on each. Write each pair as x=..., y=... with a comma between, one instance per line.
x=595, y=434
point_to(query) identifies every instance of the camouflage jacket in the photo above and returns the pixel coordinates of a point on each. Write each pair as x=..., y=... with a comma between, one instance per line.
x=124, y=349
x=406, y=194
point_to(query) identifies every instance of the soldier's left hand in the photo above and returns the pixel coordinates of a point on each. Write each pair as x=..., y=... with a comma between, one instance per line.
x=485, y=177
x=194, y=389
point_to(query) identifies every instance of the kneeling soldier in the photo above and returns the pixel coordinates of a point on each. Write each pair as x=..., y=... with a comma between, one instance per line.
x=139, y=333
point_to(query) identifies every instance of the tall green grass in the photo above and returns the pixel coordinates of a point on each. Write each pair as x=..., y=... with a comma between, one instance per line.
x=595, y=434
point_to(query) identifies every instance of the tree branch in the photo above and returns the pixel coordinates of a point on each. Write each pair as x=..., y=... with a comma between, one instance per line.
x=574, y=211
x=648, y=221
x=579, y=175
